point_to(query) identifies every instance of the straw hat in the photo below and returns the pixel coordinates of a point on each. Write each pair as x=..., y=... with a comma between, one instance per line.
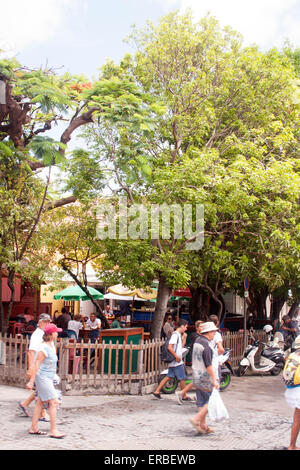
x=208, y=326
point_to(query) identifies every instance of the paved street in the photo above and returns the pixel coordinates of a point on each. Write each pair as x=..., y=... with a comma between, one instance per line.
x=259, y=420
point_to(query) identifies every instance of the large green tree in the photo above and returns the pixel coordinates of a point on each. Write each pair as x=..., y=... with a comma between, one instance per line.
x=221, y=114
x=36, y=106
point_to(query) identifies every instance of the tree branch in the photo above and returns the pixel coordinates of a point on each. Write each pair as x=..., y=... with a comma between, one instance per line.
x=61, y=202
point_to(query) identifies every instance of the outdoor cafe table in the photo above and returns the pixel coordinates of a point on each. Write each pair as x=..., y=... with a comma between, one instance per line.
x=84, y=334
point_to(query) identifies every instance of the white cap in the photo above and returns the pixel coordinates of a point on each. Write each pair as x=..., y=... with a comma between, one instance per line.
x=208, y=326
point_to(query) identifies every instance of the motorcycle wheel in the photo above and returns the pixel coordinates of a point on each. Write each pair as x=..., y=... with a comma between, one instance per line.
x=225, y=380
x=170, y=386
x=277, y=369
x=241, y=371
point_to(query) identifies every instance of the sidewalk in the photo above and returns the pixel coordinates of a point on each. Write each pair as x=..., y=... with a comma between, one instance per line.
x=259, y=420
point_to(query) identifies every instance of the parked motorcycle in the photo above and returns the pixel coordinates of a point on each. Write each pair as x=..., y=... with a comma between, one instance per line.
x=271, y=359
x=226, y=373
x=226, y=369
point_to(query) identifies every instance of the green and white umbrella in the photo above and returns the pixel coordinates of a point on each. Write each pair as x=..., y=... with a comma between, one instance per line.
x=76, y=293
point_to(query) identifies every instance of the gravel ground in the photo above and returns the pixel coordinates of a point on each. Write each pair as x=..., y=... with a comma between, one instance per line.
x=259, y=419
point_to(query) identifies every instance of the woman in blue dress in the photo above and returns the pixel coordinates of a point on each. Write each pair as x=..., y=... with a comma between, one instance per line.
x=43, y=376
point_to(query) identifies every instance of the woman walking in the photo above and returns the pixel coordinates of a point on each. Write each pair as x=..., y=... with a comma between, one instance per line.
x=43, y=374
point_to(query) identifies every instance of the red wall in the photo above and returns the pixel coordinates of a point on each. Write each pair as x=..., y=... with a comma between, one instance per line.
x=25, y=296
x=6, y=293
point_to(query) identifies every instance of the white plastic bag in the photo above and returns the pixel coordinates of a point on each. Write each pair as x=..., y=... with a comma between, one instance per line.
x=216, y=409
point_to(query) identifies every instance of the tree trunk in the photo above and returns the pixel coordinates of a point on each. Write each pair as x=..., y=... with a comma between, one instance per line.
x=294, y=308
x=197, y=300
x=257, y=306
x=163, y=295
x=276, y=306
x=10, y=283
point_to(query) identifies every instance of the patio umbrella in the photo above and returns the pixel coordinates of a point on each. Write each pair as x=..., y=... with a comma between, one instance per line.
x=111, y=296
x=142, y=293
x=76, y=293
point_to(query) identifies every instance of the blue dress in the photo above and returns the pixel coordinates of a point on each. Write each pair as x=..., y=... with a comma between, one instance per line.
x=45, y=375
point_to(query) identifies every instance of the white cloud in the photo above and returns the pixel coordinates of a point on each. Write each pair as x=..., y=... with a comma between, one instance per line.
x=24, y=22
x=264, y=22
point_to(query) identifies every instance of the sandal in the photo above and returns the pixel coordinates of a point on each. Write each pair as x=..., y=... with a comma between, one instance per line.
x=23, y=409
x=38, y=433
x=187, y=398
x=61, y=436
x=45, y=420
x=198, y=427
x=209, y=430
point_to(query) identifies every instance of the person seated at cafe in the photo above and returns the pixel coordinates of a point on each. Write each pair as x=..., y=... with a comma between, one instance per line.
x=117, y=321
x=76, y=325
x=63, y=319
x=108, y=310
x=94, y=324
x=24, y=317
x=125, y=312
x=20, y=318
x=62, y=322
x=27, y=315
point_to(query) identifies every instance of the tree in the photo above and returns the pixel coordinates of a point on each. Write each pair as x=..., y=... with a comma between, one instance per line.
x=71, y=244
x=224, y=112
x=36, y=101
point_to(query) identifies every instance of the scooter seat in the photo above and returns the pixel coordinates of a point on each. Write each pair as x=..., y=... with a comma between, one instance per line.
x=271, y=351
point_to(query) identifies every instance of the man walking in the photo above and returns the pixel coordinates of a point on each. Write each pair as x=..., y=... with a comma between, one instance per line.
x=204, y=378
x=34, y=345
x=176, y=367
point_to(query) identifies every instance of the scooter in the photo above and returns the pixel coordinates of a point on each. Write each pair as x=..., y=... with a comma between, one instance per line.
x=226, y=369
x=271, y=359
x=226, y=373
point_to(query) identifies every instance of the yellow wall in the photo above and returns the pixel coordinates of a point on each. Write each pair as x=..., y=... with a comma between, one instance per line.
x=47, y=296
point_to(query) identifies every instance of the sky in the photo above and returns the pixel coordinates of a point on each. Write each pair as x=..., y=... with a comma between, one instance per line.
x=77, y=36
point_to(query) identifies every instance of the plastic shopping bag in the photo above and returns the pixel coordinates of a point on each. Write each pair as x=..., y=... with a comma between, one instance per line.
x=216, y=409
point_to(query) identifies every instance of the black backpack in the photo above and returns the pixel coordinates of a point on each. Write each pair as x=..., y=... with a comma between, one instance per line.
x=165, y=354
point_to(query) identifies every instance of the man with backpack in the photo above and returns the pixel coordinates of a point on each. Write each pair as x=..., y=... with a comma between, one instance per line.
x=176, y=367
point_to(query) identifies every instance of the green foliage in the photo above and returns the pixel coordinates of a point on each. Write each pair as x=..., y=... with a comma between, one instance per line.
x=47, y=150
x=225, y=134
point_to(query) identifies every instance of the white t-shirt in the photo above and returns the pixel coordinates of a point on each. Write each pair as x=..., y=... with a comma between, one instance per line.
x=75, y=326
x=177, y=348
x=214, y=346
x=36, y=339
x=93, y=324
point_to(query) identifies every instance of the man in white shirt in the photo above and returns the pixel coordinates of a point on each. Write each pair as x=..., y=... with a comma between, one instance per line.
x=217, y=346
x=176, y=367
x=34, y=345
x=94, y=324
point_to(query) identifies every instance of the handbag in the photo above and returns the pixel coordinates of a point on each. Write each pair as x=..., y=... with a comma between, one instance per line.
x=217, y=411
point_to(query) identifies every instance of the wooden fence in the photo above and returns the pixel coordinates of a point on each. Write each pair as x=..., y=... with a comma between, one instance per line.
x=101, y=368
x=235, y=341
